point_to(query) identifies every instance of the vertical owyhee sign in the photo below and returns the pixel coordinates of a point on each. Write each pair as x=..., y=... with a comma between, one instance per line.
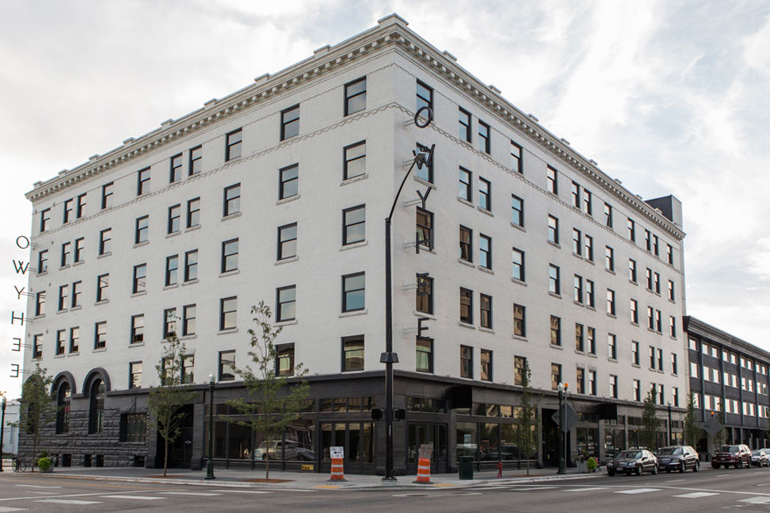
x=422, y=156
x=17, y=314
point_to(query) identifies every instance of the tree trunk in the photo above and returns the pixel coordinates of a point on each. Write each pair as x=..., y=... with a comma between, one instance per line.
x=165, y=455
x=267, y=462
x=527, y=464
x=34, y=451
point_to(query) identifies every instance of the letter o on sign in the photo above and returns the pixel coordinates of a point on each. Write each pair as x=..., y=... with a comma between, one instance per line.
x=428, y=116
x=21, y=239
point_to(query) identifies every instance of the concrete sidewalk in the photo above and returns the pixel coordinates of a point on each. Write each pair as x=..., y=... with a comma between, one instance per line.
x=244, y=478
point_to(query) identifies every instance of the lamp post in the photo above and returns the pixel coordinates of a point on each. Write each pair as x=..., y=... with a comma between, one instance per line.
x=422, y=156
x=210, y=466
x=670, y=428
x=562, y=446
x=2, y=434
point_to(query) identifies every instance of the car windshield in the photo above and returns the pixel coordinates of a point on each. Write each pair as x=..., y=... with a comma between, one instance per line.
x=670, y=451
x=631, y=455
x=756, y=453
x=730, y=448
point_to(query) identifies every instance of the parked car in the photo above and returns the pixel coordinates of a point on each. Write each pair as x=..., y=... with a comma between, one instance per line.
x=289, y=450
x=633, y=461
x=737, y=455
x=760, y=458
x=678, y=457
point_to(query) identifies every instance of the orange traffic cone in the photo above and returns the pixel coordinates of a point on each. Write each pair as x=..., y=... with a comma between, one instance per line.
x=423, y=471
x=338, y=470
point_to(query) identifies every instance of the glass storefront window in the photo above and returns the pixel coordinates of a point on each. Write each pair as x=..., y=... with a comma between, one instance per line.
x=239, y=442
x=465, y=438
x=489, y=445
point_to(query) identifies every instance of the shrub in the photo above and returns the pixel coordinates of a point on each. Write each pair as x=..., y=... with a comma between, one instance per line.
x=592, y=464
x=44, y=463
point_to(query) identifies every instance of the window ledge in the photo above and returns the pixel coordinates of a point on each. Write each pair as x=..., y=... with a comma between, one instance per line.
x=102, y=302
x=519, y=337
x=591, y=307
x=634, y=324
x=192, y=336
x=105, y=255
x=520, y=282
x=555, y=295
x=227, y=332
x=465, y=201
x=64, y=310
x=591, y=355
x=673, y=302
x=287, y=200
x=140, y=244
x=636, y=365
x=354, y=179
x=485, y=211
x=44, y=273
x=191, y=282
x=578, y=351
x=41, y=316
x=295, y=258
x=354, y=313
x=99, y=350
x=610, y=271
x=169, y=287
x=554, y=346
x=555, y=244
x=465, y=262
x=142, y=293
x=613, y=360
x=466, y=325
x=61, y=268
x=231, y=216
x=74, y=353
x=76, y=308
x=518, y=227
x=173, y=234
x=487, y=330
x=136, y=344
x=634, y=283
x=577, y=303
x=192, y=228
x=429, y=316
x=79, y=262
x=229, y=273
x=577, y=255
x=59, y=356
x=354, y=245
x=286, y=323
x=485, y=270
x=612, y=315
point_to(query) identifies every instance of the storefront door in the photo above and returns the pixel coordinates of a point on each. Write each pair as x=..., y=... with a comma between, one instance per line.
x=420, y=433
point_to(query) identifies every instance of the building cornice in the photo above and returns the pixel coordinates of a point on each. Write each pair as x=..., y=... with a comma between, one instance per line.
x=695, y=326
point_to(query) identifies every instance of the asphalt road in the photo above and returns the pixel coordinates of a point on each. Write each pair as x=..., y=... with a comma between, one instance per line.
x=707, y=491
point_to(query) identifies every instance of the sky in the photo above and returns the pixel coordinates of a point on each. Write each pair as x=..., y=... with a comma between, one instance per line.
x=670, y=97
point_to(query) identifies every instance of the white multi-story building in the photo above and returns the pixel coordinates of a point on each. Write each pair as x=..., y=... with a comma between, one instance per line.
x=279, y=192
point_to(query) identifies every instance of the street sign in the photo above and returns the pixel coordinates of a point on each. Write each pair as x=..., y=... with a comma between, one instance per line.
x=570, y=418
x=337, y=452
x=712, y=426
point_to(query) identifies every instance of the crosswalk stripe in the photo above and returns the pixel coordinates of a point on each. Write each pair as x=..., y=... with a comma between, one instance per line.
x=137, y=497
x=696, y=495
x=38, y=486
x=241, y=491
x=4, y=509
x=70, y=502
x=585, y=489
x=196, y=494
x=756, y=500
x=639, y=490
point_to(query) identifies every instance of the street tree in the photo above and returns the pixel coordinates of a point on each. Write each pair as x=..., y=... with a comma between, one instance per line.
x=166, y=400
x=692, y=432
x=648, y=434
x=526, y=431
x=271, y=403
x=37, y=408
x=719, y=437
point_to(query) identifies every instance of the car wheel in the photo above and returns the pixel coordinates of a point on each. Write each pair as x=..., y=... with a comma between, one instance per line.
x=639, y=470
x=654, y=470
x=696, y=468
x=715, y=466
x=611, y=473
x=683, y=468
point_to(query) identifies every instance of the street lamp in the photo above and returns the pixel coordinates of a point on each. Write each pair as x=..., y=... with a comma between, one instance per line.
x=210, y=466
x=2, y=434
x=670, y=428
x=422, y=157
x=561, y=435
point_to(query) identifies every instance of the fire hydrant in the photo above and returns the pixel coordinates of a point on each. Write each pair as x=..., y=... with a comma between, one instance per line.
x=499, y=470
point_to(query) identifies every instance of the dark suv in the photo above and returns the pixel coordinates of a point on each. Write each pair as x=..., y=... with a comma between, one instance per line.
x=678, y=457
x=738, y=455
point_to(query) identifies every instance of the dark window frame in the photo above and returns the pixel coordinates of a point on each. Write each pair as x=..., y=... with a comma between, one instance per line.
x=348, y=292
x=352, y=96
x=290, y=125
x=350, y=226
x=234, y=145
x=284, y=184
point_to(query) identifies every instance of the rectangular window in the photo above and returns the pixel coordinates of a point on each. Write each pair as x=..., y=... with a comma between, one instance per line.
x=37, y=346
x=609, y=259
x=652, y=357
x=631, y=230
x=76, y=292
x=466, y=306
x=45, y=217
x=466, y=362
x=484, y=138
x=465, y=125
x=635, y=352
x=234, y=140
x=80, y=209
x=591, y=340
x=137, y=329
x=516, y=160
x=424, y=295
x=647, y=240
x=552, y=180
x=588, y=250
x=174, y=218
x=424, y=97
x=555, y=376
x=61, y=340
x=591, y=382
x=655, y=245
x=466, y=185
x=63, y=293
x=517, y=211
x=290, y=123
x=587, y=202
x=196, y=160
x=637, y=390
x=100, y=335
x=188, y=369
x=578, y=289
x=675, y=364
x=287, y=303
x=355, y=160
x=230, y=255
x=284, y=360
x=608, y=215
x=189, y=313
x=576, y=195
x=355, y=96
x=40, y=303
x=658, y=325
x=140, y=275
x=74, y=339
x=226, y=365
x=613, y=386
x=485, y=251
x=67, y=210
x=577, y=242
x=42, y=261
x=656, y=283
x=353, y=292
x=79, y=247
x=634, y=310
x=671, y=294
x=669, y=254
x=555, y=331
x=287, y=241
x=612, y=347
x=107, y=194
x=424, y=227
x=553, y=229
x=193, y=213
x=143, y=181
x=135, y=375
x=610, y=302
x=103, y=284
x=232, y=200
x=172, y=270
x=228, y=313
x=424, y=355
x=354, y=225
x=169, y=323
x=485, y=303
x=648, y=277
x=485, y=194
x=672, y=326
x=590, y=298
x=518, y=272
x=142, y=230
x=632, y=270
x=580, y=380
x=519, y=369
x=486, y=365
x=289, y=185
x=519, y=320
x=175, y=168
x=579, y=338
x=65, y=254
x=191, y=265
x=425, y=172
x=466, y=244
x=353, y=354
x=554, y=280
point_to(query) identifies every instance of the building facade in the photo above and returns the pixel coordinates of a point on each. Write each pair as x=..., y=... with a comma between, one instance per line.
x=511, y=246
x=729, y=384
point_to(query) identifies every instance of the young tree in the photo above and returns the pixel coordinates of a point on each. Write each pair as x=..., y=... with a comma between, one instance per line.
x=37, y=407
x=648, y=434
x=271, y=404
x=167, y=399
x=692, y=432
x=719, y=438
x=526, y=431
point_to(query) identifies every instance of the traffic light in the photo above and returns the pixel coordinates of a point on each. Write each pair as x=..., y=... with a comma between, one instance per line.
x=376, y=413
x=399, y=414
